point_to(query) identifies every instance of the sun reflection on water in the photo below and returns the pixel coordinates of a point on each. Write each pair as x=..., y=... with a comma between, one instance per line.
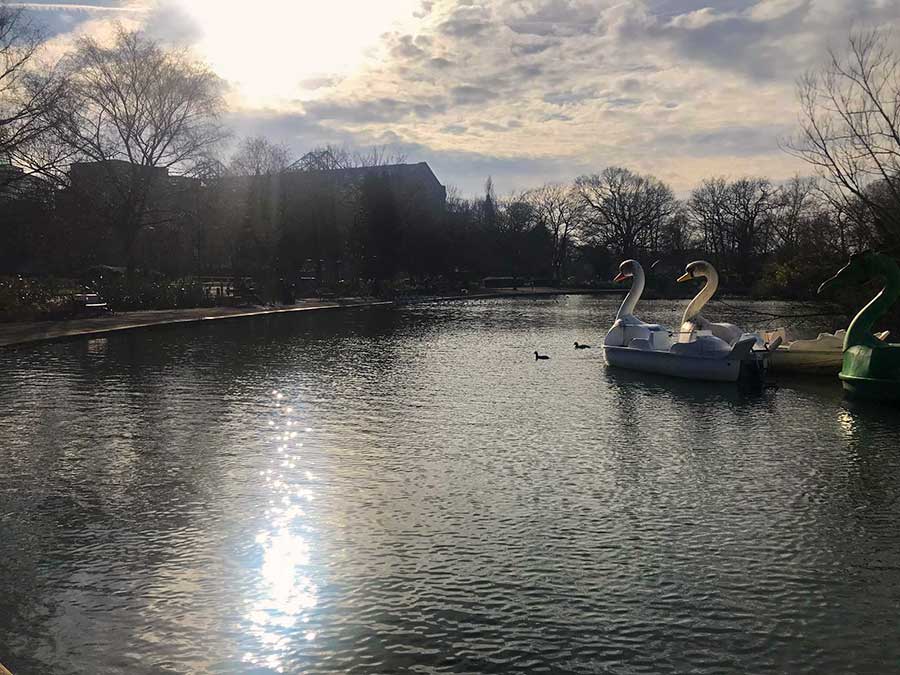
x=847, y=423
x=286, y=593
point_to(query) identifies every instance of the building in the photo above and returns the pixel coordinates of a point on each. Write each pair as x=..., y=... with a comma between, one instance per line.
x=133, y=211
x=309, y=216
x=15, y=184
x=304, y=219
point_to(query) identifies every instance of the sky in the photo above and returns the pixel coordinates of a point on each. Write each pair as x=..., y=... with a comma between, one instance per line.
x=526, y=91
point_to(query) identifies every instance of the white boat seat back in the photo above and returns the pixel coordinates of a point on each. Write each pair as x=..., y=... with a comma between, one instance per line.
x=660, y=340
x=702, y=344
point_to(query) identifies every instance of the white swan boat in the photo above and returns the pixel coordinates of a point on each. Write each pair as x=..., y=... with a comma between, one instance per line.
x=698, y=353
x=822, y=355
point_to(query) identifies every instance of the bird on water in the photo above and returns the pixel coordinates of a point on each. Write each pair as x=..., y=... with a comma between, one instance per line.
x=578, y=346
x=538, y=357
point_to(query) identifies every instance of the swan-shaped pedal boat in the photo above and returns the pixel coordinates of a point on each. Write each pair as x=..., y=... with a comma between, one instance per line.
x=823, y=355
x=698, y=354
x=871, y=366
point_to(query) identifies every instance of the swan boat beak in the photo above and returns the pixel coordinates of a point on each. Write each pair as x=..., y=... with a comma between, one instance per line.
x=620, y=277
x=684, y=277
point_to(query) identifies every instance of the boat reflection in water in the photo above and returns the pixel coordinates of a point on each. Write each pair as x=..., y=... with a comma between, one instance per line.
x=453, y=507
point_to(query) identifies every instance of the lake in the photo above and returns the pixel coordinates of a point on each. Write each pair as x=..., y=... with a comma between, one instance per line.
x=408, y=490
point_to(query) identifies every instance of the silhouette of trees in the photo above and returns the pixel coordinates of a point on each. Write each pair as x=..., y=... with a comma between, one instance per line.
x=27, y=97
x=624, y=211
x=734, y=220
x=850, y=129
x=150, y=107
x=257, y=156
x=560, y=210
x=140, y=119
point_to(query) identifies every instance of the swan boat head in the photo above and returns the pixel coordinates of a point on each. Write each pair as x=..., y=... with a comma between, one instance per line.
x=628, y=269
x=627, y=326
x=860, y=268
x=700, y=269
x=692, y=319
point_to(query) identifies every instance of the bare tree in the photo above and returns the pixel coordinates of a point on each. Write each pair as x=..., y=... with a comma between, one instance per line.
x=151, y=108
x=258, y=156
x=735, y=220
x=850, y=128
x=625, y=211
x=26, y=96
x=795, y=203
x=709, y=212
x=377, y=156
x=750, y=204
x=560, y=209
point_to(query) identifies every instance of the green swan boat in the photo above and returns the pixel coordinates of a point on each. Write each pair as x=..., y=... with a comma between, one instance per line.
x=871, y=367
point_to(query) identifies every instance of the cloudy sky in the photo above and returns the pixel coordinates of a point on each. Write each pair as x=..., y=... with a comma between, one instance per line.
x=526, y=91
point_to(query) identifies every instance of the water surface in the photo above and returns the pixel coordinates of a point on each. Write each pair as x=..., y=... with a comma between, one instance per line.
x=408, y=490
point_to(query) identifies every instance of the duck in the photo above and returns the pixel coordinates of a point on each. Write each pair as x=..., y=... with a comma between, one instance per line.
x=871, y=366
x=540, y=357
x=578, y=346
x=692, y=320
x=627, y=327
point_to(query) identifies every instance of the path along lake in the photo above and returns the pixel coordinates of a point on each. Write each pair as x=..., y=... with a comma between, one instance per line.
x=407, y=490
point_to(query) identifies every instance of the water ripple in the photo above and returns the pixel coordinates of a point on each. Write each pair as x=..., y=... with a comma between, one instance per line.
x=389, y=491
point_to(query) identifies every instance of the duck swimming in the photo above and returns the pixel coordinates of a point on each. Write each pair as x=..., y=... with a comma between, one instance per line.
x=578, y=346
x=540, y=357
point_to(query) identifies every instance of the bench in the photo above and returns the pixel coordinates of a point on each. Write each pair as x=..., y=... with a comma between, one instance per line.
x=90, y=303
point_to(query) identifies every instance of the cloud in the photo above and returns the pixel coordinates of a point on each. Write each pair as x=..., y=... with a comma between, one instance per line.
x=374, y=110
x=169, y=22
x=322, y=82
x=466, y=21
x=467, y=95
x=534, y=90
x=553, y=18
x=97, y=7
x=59, y=19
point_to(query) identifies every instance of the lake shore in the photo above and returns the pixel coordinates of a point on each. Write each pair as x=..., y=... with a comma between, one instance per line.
x=25, y=333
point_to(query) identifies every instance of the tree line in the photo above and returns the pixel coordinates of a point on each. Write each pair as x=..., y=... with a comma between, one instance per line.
x=170, y=198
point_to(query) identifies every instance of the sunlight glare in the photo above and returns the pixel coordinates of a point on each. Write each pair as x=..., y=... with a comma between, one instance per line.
x=270, y=48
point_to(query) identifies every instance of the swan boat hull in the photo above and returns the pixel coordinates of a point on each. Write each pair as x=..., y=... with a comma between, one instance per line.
x=723, y=369
x=784, y=360
x=823, y=355
x=873, y=389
